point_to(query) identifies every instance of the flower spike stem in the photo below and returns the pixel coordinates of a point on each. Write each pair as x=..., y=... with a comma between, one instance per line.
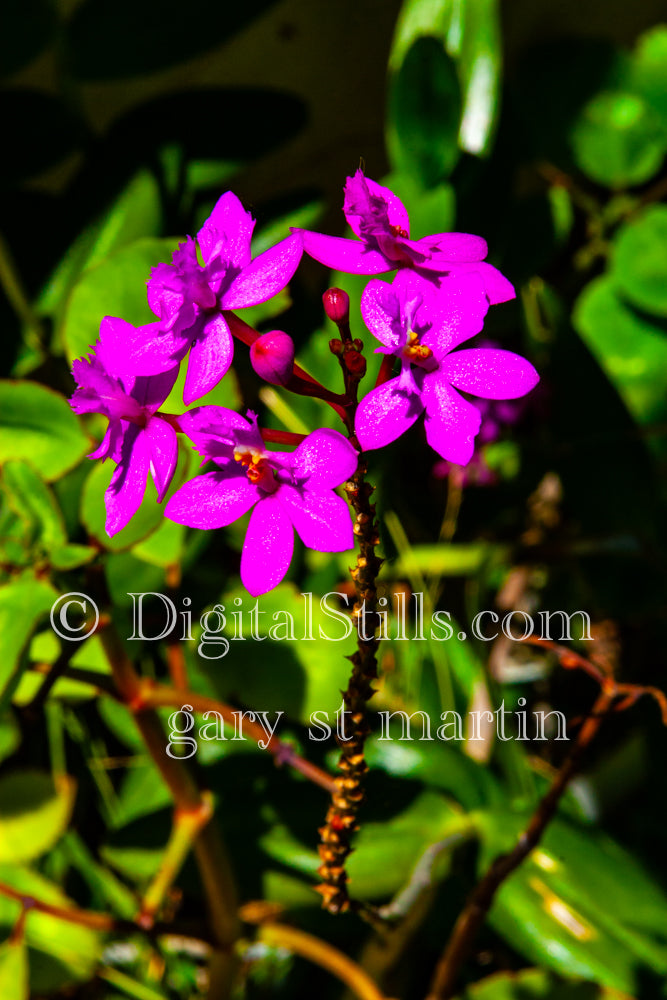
x=341, y=819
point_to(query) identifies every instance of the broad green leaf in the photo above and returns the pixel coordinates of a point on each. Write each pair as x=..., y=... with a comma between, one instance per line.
x=115, y=287
x=148, y=517
x=34, y=501
x=34, y=812
x=536, y=984
x=474, y=42
x=629, y=348
x=469, y=33
x=617, y=140
x=446, y=560
x=37, y=425
x=639, y=260
x=580, y=905
x=14, y=971
x=649, y=69
x=60, y=952
x=71, y=556
x=385, y=854
x=135, y=213
x=313, y=670
x=436, y=763
x=23, y=605
x=424, y=113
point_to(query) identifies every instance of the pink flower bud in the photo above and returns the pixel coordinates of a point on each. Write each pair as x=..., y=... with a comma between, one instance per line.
x=272, y=357
x=337, y=305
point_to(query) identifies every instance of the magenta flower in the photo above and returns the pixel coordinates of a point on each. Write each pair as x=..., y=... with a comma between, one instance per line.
x=189, y=296
x=430, y=372
x=138, y=438
x=288, y=491
x=380, y=220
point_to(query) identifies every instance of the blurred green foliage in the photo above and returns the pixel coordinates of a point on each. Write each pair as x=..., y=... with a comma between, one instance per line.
x=554, y=150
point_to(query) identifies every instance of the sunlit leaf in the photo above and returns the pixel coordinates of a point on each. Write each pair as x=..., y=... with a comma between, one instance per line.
x=34, y=811
x=38, y=425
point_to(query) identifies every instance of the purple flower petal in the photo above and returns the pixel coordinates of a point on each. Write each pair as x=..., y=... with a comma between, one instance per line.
x=322, y=519
x=382, y=314
x=162, y=445
x=268, y=547
x=227, y=232
x=451, y=422
x=141, y=350
x=265, y=276
x=340, y=254
x=456, y=310
x=324, y=460
x=213, y=500
x=452, y=248
x=491, y=374
x=386, y=413
x=210, y=358
x=111, y=444
x=150, y=391
x=100, y=392
x=369, y=207
x=498, y=288
x=216, y=432
x=126, y=490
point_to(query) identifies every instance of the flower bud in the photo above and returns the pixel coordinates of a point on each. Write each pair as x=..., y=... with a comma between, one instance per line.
x=337, y=305
x=272, y=357
x=355, y=363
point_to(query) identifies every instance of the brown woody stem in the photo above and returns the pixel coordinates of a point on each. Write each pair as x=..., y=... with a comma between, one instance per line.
x=341, y=818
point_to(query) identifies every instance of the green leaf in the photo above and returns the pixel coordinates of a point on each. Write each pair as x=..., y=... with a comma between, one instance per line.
x=649, y=69
x=631, y=351
x=536, y=984
x=385, y=853
x=114, y=287
x=72, y=556
x=424, y=113
x=60, y=952
x=14, y=971
x=135, y=213
x=470, y=34
x=23, y=604
x=37, y=424
x=313, y=670
x=446, y=560
x=34, y=812
x=639, y=260
x=617, y=140
x=474, y=41
x=580, y=904
x=33, y=501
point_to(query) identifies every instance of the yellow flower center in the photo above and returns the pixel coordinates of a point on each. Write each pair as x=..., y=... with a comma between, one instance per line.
x=415, y=351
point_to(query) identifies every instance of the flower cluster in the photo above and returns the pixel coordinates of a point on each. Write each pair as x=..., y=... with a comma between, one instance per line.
x=438, y=298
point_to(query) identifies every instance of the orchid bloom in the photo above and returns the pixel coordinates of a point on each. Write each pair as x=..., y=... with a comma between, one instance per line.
x=288, y=491
x=138, y=439
x=189, y=298
x=431, y=371
x=380, y=220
